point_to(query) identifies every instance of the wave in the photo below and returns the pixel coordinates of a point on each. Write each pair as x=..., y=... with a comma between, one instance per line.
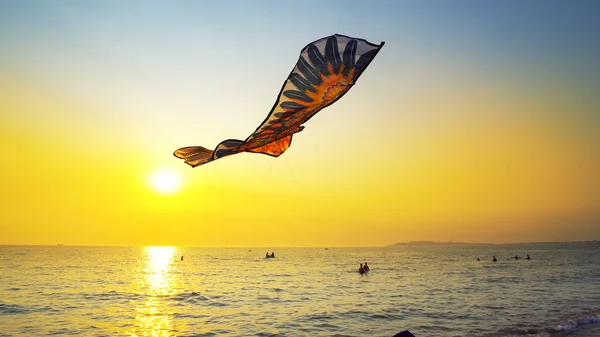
x=185, y=297
x=16, y=309
x=189, y=297
x=194, y=298
x=12, y=309
x=112, y=295
x=568, y=325
x=576, y=322
x=524, y=333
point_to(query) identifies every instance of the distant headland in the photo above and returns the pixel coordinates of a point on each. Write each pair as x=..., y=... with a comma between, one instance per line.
x=452, y=243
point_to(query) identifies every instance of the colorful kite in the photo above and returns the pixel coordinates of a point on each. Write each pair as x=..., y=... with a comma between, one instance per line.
x=326, y=70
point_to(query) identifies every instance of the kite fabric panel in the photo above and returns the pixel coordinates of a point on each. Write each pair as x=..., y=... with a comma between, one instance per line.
x=326, y=70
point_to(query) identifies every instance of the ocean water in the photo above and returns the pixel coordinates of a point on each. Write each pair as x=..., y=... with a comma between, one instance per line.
x=433, y=291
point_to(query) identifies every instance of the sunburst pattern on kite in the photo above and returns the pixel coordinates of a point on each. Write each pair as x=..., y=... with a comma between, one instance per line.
x=326, y=70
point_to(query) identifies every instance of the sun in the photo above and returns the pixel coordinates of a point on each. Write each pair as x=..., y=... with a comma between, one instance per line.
x=165, y=182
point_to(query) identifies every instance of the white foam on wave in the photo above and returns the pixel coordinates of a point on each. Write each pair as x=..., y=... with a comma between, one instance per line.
x=574, y=323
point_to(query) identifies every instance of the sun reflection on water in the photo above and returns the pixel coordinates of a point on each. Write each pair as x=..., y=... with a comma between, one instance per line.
x=156, y=280
x=159, y=276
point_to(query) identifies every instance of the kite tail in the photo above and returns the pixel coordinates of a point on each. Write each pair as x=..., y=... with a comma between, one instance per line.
x=194, y=155
x=198, y=155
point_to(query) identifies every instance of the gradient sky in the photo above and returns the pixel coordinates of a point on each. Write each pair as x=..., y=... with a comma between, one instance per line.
x=478, y=121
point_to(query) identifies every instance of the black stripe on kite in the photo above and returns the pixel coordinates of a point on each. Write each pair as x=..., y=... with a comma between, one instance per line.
x=281, y=114
x=292, y=105
x=317, y=60
x=308, y=71
x=365, y=59
x=301, y=83
x=299, y=95
x=349, y=56
x=332, y=53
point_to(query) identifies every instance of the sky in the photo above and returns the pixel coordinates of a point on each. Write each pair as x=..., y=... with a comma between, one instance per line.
x=478, y=121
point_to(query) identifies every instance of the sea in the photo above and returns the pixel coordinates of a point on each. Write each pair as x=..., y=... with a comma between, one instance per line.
x=435, y=290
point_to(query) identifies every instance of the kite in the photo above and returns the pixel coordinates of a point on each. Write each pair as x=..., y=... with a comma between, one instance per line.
x=326, y=70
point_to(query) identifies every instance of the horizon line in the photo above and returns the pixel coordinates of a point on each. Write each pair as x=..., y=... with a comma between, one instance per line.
x=420, y=242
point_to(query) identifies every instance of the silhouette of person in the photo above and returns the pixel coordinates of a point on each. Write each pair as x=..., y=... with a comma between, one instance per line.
x=181, y=257
x=267, y=255
x=528, y=257
x=366, y=267
x=361, y=269
x=494, y=258
x=478, y=259
x=272, y=254
x=516, y=257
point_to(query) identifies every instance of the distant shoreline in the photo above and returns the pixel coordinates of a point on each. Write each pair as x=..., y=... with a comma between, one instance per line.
x=452, y=243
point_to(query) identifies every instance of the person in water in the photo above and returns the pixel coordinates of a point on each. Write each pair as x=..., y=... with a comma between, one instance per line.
x=181, y=257
x=528, y=257
x=272, y=254
x=516, y=257
x=494, y=258
x=366, y=267
x=361, y=269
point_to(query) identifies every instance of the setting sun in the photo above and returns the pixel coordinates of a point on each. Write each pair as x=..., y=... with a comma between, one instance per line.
x=165, y=182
